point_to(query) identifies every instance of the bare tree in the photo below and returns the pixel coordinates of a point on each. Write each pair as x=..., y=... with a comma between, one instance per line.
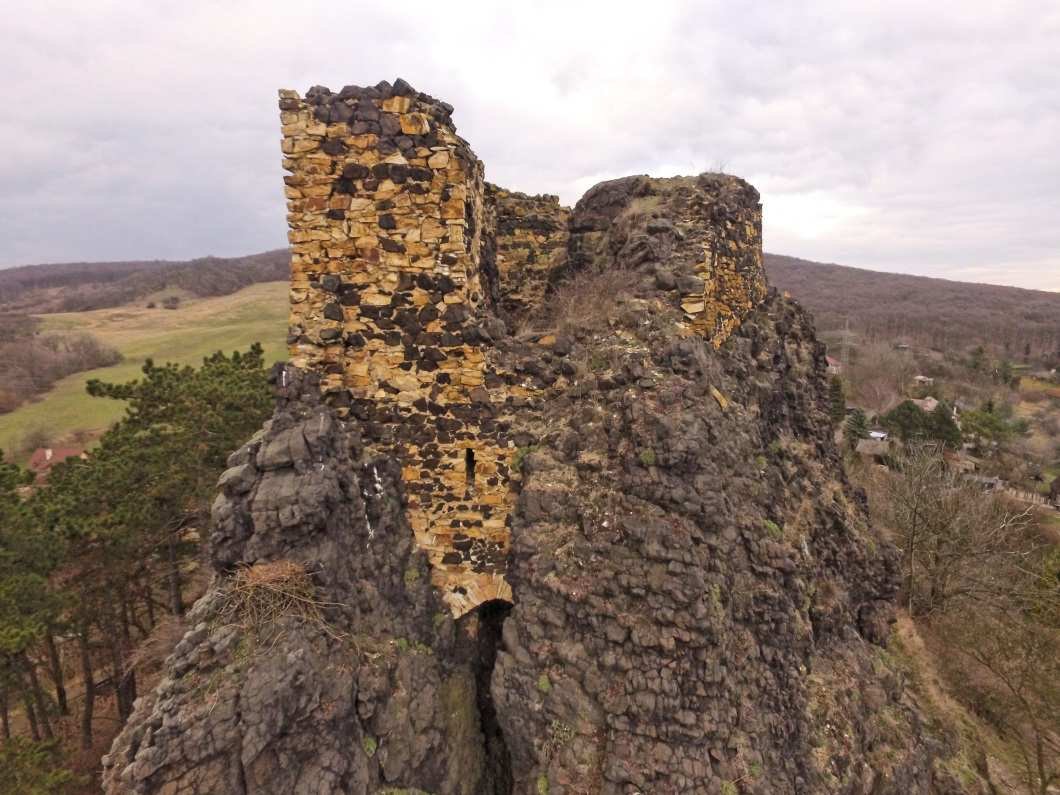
x=956, y=540
x=879, y=375
x=1014, y=647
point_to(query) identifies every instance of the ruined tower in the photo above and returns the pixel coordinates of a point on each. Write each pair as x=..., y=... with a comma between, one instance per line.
x=391, y=282
x=396, y=244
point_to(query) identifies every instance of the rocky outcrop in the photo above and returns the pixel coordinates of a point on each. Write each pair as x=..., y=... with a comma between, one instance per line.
x=698, y=600
x=706, y=228
x=321, y=659
x=699, y=604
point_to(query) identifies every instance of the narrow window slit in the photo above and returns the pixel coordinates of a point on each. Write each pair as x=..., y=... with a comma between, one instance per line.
x=469, y=469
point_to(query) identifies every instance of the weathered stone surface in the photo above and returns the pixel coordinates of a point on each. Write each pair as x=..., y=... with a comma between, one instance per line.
x=400, y=225
x=378, y=694
x=530, y=235
x=697, y=593
x=698, y=602
x=703, y=236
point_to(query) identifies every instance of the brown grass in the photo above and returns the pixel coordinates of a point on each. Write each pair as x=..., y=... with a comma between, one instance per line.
x=588, y=300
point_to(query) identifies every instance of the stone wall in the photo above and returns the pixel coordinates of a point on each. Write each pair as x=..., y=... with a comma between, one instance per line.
x=706, y=229
x=391, y=283
x=531, y=245
x=404, y=260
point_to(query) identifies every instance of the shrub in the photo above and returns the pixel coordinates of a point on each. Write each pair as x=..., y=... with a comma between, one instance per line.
x=370, y=745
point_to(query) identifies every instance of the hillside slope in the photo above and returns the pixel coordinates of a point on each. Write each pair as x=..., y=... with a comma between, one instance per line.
x=939, y=313
x=81, y=286
x=255, y=314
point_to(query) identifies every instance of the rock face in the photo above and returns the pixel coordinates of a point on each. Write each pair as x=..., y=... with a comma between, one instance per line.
x=692, y=600
x=360, y=683
x=707, y=227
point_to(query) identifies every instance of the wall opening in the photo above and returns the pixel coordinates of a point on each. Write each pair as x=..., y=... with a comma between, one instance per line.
x=487, y=621
x=469, y=469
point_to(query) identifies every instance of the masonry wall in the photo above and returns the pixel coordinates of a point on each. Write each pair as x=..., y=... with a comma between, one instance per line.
x=731, y=266
x=531, y=246
x=705, y=232
x=391, y=282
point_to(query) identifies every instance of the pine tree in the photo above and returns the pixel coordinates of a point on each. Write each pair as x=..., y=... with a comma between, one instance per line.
x=941, y=426
x=906, y=420
x=857, y=427
x=837, y=400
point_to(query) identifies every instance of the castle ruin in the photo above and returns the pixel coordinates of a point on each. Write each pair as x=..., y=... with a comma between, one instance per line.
x=402, y=260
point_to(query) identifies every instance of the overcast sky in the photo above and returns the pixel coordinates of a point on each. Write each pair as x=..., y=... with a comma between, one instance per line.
x=902, y=136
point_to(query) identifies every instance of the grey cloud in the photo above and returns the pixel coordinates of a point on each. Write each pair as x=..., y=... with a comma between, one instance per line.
x=894, y=135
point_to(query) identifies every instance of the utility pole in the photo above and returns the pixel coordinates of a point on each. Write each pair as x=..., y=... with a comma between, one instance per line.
x=844, y=354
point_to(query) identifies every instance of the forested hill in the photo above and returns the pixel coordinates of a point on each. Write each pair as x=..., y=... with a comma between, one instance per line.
x=79, y=286
x=925, y=311
x=944, y=314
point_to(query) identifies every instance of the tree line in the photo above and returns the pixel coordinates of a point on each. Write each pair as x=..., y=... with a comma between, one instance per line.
x=91, y=561
x=30, y=364
x=981, y=579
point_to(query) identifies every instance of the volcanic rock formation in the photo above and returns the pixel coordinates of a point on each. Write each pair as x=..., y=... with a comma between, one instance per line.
x=549, y=505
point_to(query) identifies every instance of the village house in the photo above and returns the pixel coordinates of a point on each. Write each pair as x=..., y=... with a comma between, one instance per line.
x=927, y=405
x=835, y=367
x=44, y=458
x=923, y=380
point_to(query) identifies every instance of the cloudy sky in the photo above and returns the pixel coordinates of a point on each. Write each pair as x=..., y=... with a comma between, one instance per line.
x=901, y=136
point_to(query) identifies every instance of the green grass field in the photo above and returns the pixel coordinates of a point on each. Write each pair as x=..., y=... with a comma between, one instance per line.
x=185, y=335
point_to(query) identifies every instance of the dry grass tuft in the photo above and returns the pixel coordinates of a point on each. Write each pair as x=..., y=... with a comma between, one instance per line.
x=262, y=594
x=588, y=300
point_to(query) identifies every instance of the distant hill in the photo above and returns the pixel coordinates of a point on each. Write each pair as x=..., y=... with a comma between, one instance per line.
x=937, y=313
x=82, y=286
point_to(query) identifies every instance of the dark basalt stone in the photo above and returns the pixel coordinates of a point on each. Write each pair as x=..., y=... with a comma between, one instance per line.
x=354, y=171
x=403, y=89
x=390, y=126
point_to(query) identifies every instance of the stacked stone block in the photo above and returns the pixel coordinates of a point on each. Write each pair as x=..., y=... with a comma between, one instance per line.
x=705, y=232
x=731, y=266
x=531, y=245
x=390, y=283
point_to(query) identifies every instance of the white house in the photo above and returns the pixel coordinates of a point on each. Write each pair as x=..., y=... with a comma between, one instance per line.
x=927, y=404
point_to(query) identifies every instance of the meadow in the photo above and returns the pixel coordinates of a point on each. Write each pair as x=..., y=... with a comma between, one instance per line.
x=198, y=328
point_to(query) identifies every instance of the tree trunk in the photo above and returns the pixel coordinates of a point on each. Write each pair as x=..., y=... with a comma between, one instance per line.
x=88, y=676
x=149, y=599
x=176, y=598
x=118, y=677
x=55, y=662
x=39, y=698
x=5, y=714
x=31, y=716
